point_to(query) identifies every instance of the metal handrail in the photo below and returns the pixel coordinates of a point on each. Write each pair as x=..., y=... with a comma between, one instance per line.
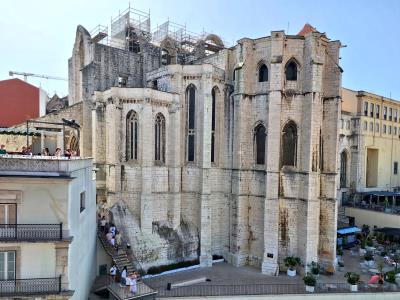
x=32, y=286
x=203, y=290
x=31, y=232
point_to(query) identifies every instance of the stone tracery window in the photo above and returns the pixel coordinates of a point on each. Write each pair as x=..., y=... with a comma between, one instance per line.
x=263, y=73
x=159, y=138
x=289, y=145
x=132, y=135
x=259, y=140
x=190, y=122
x=291, y=70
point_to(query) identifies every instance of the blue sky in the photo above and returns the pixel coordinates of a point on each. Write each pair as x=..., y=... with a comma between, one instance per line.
x=37, y=36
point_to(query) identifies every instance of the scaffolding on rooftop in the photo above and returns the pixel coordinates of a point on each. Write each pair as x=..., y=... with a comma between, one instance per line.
x=131, y=30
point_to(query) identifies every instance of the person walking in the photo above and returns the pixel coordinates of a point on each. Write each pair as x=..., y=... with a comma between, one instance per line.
x=124, y=273
x=103, y=222
x=113, y=272
x=133, y=283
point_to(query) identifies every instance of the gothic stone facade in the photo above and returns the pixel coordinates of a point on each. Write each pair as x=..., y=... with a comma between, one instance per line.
x=234, y=154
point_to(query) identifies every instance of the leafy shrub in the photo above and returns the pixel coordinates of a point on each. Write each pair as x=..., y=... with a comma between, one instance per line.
x=369, y=243
x=391, y=277
x=315, y=268
x=291, y=262
x=368, y=256
x=310, y=280
x=352, y=278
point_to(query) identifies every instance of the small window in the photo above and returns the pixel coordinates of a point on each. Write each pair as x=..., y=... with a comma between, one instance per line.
x=365, y=126
x=384, y=129
x=122, y=81
x=377, y=127
x=395, y=167
x=82, y=202
x=291, y=71
x=365, y=108
x=165, y=57
x=377, y=111
x=259, y=139
x=371, y=111
x=395, y=115
x=390, y=113
x=371, y=127
x=263, y=73
x=341, y=123
x=390, y=130
x=384, y=112
x=348, y=125
x=394, y=130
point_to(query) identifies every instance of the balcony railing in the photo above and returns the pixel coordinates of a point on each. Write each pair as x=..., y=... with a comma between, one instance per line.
x=30, y=232
x=264, y=289
x=34, y=286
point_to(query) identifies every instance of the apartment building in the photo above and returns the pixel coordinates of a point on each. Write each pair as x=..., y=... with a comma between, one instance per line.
x=369, y=156
x=47, y=227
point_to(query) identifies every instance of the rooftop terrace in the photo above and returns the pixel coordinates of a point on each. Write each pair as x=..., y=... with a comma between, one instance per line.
x=35, y=165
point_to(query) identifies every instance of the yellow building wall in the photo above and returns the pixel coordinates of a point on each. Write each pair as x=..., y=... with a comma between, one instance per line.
x=372, y=218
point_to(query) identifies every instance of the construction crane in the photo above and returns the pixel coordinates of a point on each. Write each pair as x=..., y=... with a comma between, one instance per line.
x=12, y=73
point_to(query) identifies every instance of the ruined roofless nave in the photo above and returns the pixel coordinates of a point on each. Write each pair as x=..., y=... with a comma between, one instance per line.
x=203, y=149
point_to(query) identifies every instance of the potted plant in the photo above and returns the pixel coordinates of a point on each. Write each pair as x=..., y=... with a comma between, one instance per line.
x=369, y=259
x=369, y=244
x=310, y=282
x=341, y=266
x=363, y=244
x=315, y=268
x=291, y=262
x=391, y=278
x=352, y=279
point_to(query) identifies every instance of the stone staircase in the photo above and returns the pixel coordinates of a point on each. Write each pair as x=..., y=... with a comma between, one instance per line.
x=120, y=258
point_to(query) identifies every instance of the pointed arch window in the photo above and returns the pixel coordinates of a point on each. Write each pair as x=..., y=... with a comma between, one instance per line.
x=159, y=138
x=289, y=145
x=259, y=140
x=291, y=71
x=213, y=127
x=190, y=122
x=132, y=135
x=343, y=169
x=263, y=73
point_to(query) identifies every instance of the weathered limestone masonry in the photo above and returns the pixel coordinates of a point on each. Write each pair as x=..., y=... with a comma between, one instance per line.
x=234, y=154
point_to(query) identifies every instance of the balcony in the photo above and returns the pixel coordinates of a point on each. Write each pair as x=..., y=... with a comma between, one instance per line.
x=30, y=232
x=29, y=287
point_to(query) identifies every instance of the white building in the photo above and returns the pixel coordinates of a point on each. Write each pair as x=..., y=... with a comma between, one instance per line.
x=48, y=227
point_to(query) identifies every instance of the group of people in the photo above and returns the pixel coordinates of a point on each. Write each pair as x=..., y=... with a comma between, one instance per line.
x=114, y=236
x=45, y=152
x=128, y=280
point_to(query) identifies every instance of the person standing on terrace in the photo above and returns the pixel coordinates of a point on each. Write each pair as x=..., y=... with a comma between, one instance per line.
x=3, y=149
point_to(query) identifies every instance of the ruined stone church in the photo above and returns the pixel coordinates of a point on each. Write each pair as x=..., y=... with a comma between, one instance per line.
x=206, y=150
